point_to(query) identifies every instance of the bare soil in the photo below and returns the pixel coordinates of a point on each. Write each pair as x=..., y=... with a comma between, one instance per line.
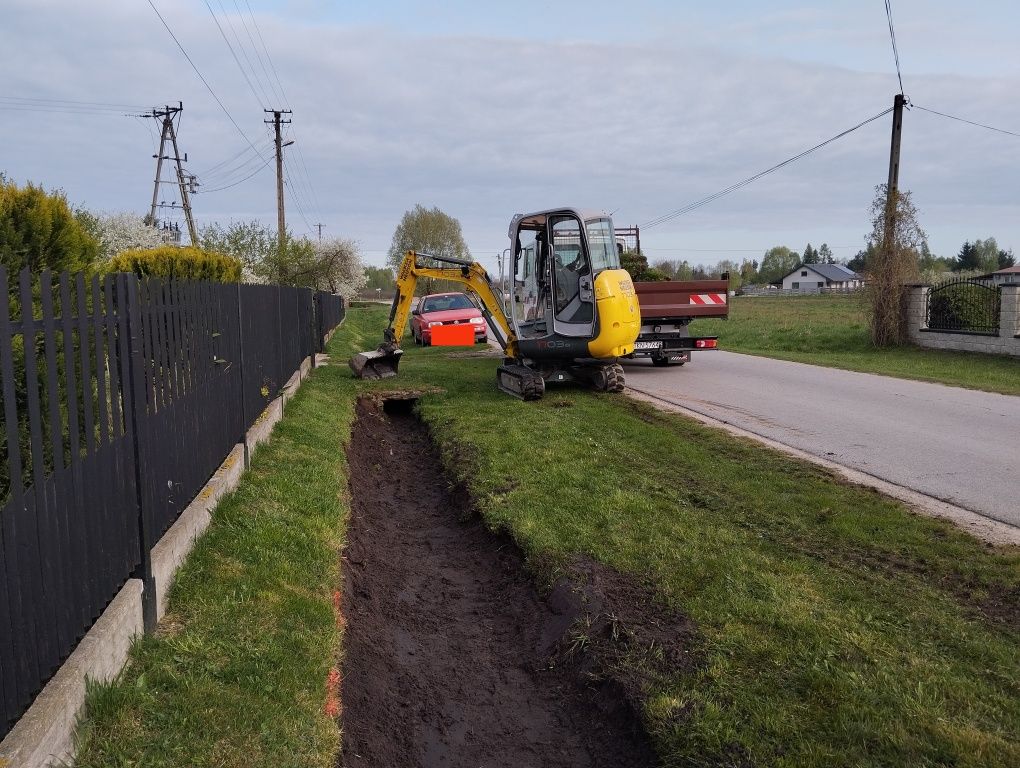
x=451, y=657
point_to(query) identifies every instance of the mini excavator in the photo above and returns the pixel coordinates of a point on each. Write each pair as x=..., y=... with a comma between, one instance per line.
x=572, y=310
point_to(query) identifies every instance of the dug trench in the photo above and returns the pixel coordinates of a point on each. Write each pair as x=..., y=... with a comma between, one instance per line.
x=451, y=657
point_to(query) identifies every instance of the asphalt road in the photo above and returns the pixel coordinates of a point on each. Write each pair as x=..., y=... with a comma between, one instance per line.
x=957, y=445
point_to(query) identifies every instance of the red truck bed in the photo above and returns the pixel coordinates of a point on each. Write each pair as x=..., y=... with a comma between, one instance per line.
x=667, y=307
x=683, y=299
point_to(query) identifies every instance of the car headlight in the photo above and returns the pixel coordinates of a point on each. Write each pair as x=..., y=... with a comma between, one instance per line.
x=478, y=321
x=434, y=323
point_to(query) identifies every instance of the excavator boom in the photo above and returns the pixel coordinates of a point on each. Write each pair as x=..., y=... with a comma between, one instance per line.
x=384, y=361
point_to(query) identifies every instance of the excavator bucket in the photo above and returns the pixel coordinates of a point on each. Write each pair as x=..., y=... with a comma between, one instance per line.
x=380, y=363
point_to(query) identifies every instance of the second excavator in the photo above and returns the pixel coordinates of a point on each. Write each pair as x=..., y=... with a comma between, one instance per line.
x=568, y=313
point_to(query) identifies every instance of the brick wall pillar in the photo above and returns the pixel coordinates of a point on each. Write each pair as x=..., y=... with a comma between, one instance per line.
x=915, y=310
x=1009, y=313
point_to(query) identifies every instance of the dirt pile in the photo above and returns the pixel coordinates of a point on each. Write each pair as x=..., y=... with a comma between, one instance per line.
x=451, y=658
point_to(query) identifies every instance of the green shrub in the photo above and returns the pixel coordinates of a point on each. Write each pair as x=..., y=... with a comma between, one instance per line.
x=171, y=261
x=963, y=307
x=39, y=231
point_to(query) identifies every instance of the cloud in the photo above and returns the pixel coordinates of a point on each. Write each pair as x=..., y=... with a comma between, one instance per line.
x=488, y=126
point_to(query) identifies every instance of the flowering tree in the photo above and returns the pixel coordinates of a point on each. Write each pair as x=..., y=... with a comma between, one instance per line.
x=118, y=232
x=338, y=266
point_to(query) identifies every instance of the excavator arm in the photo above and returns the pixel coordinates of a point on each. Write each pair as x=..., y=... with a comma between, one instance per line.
x=384, y=361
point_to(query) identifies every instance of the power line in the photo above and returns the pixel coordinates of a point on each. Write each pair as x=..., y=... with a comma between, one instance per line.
x=269, y=58
x=233, y=53
x=962, y=120
x=303, y=167
x=258, y=55
x=738, y=250
x=733, y=187
x=73, y=104
x=221, y=163
x=204, y=81
x=241, y=181
x=65, y=110
x=892, y=37
x=228, y=176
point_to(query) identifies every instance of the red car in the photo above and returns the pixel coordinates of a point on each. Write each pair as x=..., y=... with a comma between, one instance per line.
x=446, y=309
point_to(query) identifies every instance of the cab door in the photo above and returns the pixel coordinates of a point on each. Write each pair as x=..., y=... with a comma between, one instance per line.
x=573, y=283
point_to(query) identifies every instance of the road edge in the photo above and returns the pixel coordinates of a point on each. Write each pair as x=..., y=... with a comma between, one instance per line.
x=986, y=529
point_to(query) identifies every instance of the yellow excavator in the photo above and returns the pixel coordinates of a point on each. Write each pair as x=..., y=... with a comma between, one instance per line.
x=570, y=313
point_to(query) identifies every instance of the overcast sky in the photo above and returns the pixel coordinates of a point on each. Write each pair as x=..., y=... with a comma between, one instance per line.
x=636, y=108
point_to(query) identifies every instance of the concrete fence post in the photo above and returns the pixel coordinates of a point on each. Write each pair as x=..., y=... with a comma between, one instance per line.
x=1009, y=311
x=916, y=310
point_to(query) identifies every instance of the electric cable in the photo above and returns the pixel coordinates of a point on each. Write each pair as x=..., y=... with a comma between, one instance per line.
x=241, y=181
x=892, y=37
x=234, y=54
x=204, y=81
x=962, y=120
x=733, y=187
x=258, y=55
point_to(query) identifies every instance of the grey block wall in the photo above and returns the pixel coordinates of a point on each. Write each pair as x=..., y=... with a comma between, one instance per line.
x=1006, y=343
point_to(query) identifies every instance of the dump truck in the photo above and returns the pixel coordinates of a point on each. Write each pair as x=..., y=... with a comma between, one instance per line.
x=667, y=308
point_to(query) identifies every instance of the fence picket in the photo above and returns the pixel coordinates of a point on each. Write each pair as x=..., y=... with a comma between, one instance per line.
x=124, y=403
x=20, y=664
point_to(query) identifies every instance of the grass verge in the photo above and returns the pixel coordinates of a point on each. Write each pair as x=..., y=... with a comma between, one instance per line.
x=236, y=674
x=834, y=627
x=838, y=629
x=833, y=331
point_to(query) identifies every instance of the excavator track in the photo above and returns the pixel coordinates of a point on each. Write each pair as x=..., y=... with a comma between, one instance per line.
x=520, y=382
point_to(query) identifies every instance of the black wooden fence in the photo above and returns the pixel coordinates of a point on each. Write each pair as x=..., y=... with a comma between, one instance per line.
x=121, y=397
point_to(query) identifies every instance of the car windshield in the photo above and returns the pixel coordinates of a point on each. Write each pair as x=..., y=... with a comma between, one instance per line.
x=443, y=303
x=602, y=244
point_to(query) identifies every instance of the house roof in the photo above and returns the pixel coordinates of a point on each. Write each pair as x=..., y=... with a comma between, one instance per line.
x=837, y=273
x=1008, y=271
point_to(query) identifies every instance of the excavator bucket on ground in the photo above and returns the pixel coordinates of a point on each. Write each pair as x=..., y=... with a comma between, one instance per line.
x=381, y=363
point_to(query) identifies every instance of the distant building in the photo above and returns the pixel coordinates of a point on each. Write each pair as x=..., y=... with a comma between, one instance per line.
x=1007, y=275
x=813, y=278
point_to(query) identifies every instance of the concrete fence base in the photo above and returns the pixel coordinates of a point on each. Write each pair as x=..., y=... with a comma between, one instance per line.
x=44, y=736
x=1006, y=342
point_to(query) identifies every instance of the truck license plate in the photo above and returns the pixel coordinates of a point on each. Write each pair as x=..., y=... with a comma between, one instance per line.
x=647, y=345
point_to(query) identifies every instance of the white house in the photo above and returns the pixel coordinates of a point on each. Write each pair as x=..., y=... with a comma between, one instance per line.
x=1007, y=275
x=812, y=278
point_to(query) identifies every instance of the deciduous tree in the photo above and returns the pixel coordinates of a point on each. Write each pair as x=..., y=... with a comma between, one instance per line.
x=427, y=230
x=777, y=263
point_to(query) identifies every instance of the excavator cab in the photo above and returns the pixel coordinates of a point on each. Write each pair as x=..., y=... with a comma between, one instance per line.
x=572, y=311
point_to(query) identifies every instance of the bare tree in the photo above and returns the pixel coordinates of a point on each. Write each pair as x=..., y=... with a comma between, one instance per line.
x=895, y=245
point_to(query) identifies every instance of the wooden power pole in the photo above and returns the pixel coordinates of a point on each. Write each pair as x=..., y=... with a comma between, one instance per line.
x=892, y=186
x=281, y=223
x=894, y=149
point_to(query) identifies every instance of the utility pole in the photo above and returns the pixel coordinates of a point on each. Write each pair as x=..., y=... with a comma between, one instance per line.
x=892, y=186
x=894, y=149
x=185, y=182
x=319, y=227
x=277, y=121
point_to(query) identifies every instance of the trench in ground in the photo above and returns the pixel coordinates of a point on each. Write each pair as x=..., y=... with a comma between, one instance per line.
x=451, y=657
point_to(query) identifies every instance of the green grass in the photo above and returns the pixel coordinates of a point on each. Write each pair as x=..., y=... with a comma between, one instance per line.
x=236, y=675
x=834, y=627
x=833, y=331
x=838, y=629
